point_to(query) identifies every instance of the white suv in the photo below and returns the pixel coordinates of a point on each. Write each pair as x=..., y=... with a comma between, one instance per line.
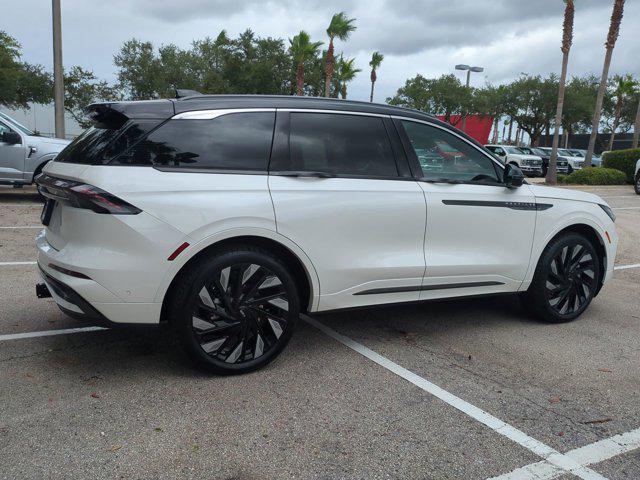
x=228, y=216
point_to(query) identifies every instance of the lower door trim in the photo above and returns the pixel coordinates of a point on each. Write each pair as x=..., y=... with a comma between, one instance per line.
x=418, y=288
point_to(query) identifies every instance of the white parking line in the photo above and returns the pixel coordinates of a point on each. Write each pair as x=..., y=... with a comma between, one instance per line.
x=48, y=333
x=21, y=227
x=21, y=205
x=588, y=455
x=550, y=455
x=6, y=264
x=625, y=267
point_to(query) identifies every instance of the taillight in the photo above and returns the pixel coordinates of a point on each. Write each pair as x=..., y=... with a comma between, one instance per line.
x=82, y=195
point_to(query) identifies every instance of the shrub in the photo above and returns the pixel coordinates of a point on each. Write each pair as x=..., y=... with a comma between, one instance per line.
x=623, y=160
x=562, y=178
x=596, y=176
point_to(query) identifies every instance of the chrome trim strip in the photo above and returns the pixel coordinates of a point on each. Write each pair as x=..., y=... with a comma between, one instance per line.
x=210, y=114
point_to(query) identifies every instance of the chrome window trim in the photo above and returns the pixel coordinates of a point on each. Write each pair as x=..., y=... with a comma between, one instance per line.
x=341, y=112
x=211, y=114
x=431, y=124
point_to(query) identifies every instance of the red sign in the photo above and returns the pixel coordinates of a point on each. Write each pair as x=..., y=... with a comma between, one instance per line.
x=477, y=127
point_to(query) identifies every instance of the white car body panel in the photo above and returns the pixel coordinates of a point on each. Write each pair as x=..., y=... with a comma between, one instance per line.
x=352, y=235
x=344, y=224
x=474, y=243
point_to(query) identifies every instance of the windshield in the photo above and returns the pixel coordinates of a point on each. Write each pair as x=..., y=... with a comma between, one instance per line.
x=16, y=124
x=514, y=150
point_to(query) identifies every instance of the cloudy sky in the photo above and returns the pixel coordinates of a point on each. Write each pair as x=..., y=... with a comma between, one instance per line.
x=417, y=36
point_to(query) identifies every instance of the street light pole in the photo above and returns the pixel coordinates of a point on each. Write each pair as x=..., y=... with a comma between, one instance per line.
x=58, y=82
x=469, y=70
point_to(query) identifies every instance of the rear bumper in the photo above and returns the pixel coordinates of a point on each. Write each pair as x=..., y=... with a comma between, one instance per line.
x=85, y=298
x=70, y=302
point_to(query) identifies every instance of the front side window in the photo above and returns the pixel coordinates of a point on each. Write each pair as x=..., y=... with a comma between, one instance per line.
x=445, y=157
x=341, y=144
x=4, y=128
x=235, y=141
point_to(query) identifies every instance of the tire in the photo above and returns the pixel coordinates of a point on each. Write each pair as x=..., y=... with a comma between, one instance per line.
x=636, y=185
x=565, y=281
x=236, y=310
x=569, y=170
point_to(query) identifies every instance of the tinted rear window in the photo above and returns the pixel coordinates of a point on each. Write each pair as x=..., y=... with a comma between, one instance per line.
x=354, y=145
x=98, y=146
x=236, y=141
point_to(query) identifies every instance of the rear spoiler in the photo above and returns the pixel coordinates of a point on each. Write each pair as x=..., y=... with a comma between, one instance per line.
x=115, y=114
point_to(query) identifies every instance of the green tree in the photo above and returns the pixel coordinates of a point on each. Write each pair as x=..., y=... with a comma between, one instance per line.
x=623, y=91
x=492, y=101
x=445, y=96
x=83, y=88
x=20, y=82
x=140, y=74
x=567, y=39
x=532, y=103
x=612, y=36
x=376, y=60
x=340, y=27
x=345, y=72
x=302, y=49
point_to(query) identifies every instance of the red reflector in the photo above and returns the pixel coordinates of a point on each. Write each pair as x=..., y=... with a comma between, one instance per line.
x=608, y=237
x=66, y=271
x=178, y=251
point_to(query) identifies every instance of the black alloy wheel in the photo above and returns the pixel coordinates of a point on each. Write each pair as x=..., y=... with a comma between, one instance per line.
x=240, y=312
x=565, y=281
x=571, y=279
x=636, y=185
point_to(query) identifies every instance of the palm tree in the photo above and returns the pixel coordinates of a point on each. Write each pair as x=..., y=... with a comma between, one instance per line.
x=614, y=31
x=567, y=38
x=625, y=86
x=302, y=49
x=340, y=27
x=345, y=72
x=636, y=126
x=376, y=60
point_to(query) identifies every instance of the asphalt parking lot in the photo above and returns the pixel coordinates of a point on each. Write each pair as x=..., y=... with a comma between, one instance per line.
x=469, y=389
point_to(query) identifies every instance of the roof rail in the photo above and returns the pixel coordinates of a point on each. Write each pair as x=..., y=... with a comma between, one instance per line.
x=183, y=92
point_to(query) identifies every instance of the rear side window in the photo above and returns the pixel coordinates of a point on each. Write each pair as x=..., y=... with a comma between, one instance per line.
x=236, y=141
x=98, y=145
x=341, y=144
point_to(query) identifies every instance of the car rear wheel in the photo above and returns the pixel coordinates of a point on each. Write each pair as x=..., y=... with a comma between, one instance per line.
x=565, y=281
x=636, y=185
x=236, y=311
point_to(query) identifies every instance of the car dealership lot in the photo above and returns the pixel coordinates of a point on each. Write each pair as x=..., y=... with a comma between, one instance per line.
x=357, y=398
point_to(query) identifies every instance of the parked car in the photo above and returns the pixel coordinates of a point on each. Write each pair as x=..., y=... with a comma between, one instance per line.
x=529, y=164
x=23, y=154
x=636, y=185
x=225, y=217
x=596, y=159
x=575, y=162
x=562, y=164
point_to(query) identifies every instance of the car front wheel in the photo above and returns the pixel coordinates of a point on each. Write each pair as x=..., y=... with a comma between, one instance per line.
x=565, y=281
x=236, y=310
x=636, y=185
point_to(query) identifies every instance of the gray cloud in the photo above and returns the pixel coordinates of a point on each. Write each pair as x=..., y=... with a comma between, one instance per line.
x=417, y=36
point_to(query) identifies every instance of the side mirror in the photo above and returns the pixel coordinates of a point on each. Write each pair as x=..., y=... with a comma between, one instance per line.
x=11, y=138
x=513, y=176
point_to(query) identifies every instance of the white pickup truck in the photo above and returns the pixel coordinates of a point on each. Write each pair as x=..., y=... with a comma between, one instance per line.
x=636, y=184
x=23, y=153
x=529, y=164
